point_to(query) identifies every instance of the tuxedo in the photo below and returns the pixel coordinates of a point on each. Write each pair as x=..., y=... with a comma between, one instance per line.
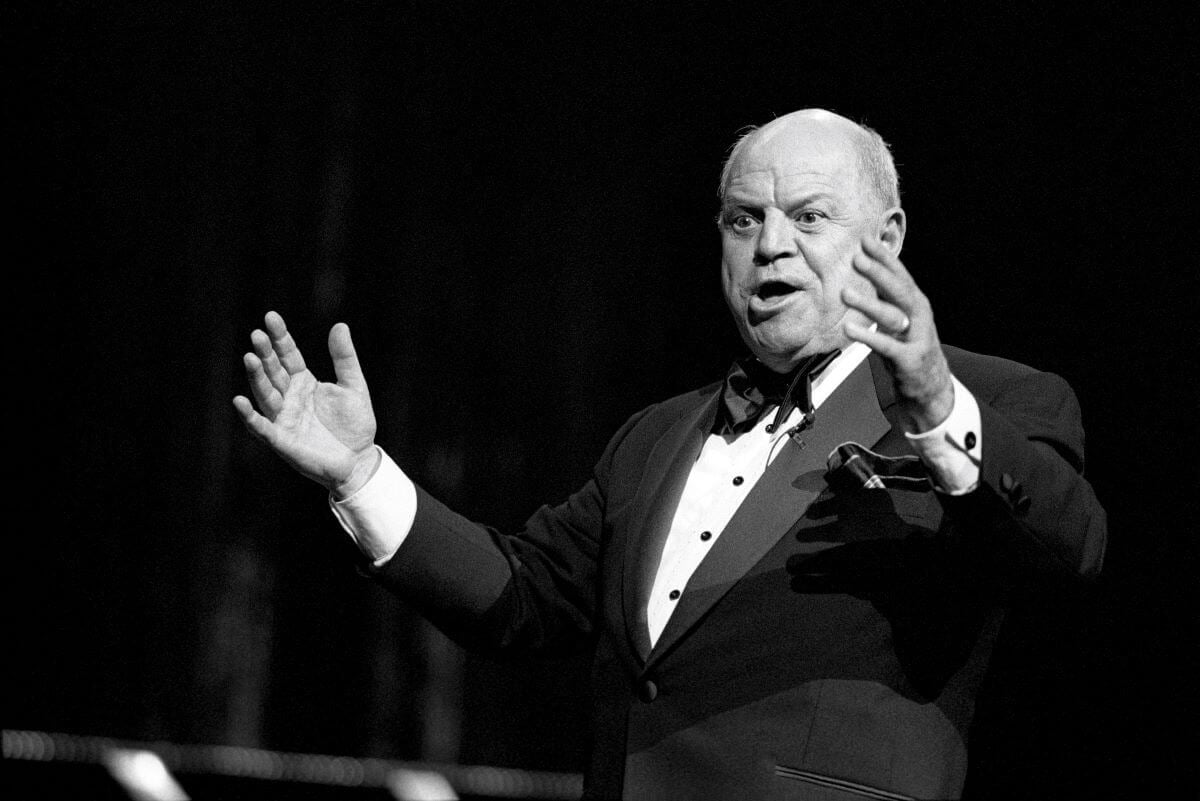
x=831, y=643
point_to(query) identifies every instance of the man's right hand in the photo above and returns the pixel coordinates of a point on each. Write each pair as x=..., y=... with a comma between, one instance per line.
x=325, y=431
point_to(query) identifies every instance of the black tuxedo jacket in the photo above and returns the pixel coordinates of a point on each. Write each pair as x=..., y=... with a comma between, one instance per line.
x=831, y=643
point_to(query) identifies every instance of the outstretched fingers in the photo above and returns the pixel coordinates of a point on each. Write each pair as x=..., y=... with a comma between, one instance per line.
x=283, y=345
x=268, y=361
x=345, y=359
x=255, y=423
x=266, y=396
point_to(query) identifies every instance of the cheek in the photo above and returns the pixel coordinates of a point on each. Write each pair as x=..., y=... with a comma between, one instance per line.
x=728, y=260
x=837, y=272
x=859, y=283
x=737, y=252
x=733, y=298
x=733, y=271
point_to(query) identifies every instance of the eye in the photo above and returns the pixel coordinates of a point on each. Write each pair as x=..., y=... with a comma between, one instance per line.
x=741, y=222
x=809, y=217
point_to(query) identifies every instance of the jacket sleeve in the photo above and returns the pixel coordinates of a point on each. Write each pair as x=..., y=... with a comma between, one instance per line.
x=535, y=589
x=1034, y=518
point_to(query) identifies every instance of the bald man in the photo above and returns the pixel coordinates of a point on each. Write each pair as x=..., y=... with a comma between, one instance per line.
x=791, y=579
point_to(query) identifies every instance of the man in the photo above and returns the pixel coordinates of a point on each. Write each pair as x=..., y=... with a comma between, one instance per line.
x=791, y=580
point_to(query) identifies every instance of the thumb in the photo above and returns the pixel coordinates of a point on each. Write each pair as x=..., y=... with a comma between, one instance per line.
x=345, y=360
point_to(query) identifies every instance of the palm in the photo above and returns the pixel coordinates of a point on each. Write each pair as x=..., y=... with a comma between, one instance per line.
x=322, y=427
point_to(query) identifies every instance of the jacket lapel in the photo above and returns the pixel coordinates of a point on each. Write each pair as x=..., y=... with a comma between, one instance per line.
x=667, y=469
x=778, y=500
x=885, y=390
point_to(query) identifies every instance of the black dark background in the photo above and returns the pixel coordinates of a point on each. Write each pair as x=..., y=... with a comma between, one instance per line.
x=511, y=205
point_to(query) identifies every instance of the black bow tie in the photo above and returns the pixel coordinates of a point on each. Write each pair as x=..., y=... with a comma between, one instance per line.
x=751, y=388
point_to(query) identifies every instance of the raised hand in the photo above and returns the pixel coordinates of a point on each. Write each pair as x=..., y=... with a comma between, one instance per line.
x=905, y=336
x=325, y=431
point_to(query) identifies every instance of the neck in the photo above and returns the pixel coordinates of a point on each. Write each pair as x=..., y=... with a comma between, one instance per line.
x=802, y=362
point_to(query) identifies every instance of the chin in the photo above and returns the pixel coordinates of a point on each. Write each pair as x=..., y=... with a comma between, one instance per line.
x=777, y=357
x=774, y=350
x=780, y=363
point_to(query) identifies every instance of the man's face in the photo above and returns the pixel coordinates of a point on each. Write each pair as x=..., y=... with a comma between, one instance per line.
x=794, y=213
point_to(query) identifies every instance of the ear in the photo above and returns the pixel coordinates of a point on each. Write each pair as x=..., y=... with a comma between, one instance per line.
x=891, y=232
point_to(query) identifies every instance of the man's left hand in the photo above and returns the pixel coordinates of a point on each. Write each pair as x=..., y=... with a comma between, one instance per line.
x=905, y=336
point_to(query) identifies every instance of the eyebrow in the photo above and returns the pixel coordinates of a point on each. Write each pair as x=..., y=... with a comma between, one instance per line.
x=732, y=199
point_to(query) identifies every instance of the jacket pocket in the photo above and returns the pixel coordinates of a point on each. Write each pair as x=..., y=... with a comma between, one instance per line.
x=831, y=788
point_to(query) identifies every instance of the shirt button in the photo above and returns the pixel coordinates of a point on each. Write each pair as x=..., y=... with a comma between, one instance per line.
x=706, y=535
x=673, y=595
x=737, y=481
x=970, y=440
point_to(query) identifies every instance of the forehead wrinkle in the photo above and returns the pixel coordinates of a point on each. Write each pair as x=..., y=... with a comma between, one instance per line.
x=786, y=189
x=792, y=176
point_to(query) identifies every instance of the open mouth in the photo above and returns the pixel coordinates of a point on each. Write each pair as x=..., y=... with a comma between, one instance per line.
x=774, y=289
x=770, y=299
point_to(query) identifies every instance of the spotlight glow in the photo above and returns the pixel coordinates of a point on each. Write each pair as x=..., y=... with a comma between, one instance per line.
x=143, y=775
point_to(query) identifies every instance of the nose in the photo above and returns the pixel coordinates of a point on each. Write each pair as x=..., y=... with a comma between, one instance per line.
x=775, y=240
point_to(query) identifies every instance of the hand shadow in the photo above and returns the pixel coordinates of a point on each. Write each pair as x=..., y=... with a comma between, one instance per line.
x=935, y=607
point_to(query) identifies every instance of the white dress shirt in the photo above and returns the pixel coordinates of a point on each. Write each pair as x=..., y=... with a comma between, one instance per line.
x=379, y=516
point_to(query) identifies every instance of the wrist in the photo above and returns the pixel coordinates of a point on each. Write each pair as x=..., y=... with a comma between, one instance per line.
x=365, y=465
x=928, y=413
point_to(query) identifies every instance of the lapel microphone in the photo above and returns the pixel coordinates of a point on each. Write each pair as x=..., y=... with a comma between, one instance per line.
x=806, y=422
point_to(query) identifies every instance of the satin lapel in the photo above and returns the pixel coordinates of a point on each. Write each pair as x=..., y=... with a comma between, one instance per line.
x=778, y=500
x=667, y=469
x=885, y=390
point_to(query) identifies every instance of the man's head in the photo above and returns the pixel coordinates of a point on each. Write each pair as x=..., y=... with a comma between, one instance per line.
x=797, y=197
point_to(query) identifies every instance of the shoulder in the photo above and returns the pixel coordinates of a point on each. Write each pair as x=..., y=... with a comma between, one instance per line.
x=646, y=426
x=994, y=377
x=665, y=413
x=673, y=408
x=983, y=368
x=1041, y=404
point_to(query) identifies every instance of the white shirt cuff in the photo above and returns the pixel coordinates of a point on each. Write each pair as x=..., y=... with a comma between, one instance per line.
x=953, y=450
x=379, y=516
